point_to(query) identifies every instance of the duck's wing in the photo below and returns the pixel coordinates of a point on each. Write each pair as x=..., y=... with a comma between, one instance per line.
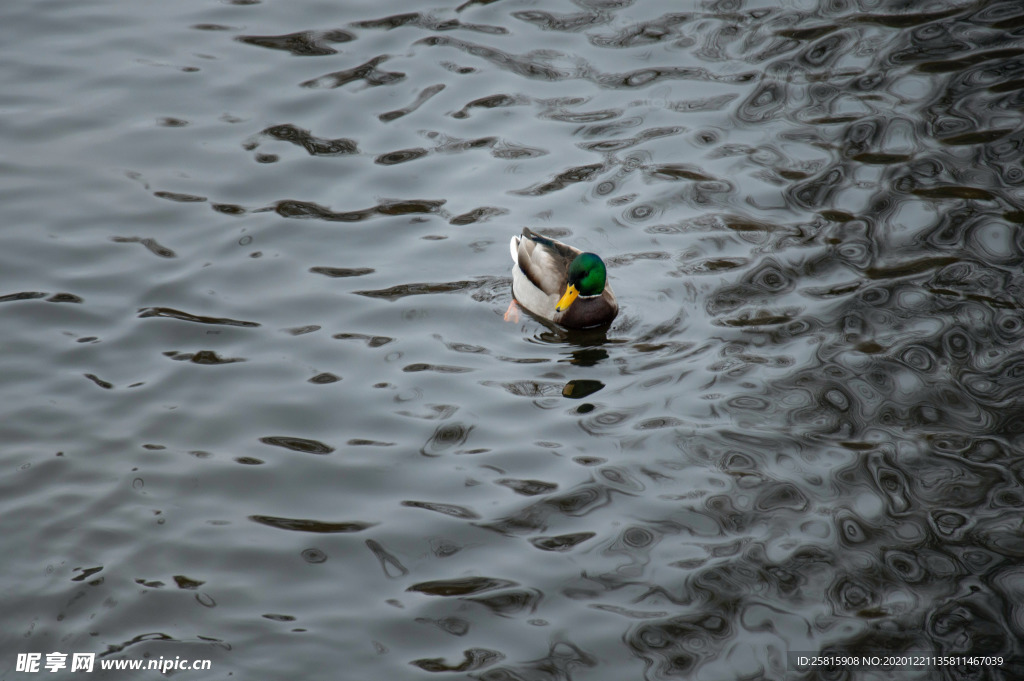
x=545, y=261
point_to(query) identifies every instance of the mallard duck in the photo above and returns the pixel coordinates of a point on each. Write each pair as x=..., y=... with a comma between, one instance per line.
x=560, y=283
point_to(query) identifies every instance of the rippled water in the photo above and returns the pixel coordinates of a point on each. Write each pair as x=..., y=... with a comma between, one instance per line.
x=261, y=407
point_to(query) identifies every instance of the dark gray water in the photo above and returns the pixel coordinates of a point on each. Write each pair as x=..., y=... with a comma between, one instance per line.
x=260, y=405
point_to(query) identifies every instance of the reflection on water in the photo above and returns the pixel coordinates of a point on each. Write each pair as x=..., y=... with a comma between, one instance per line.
x=282, y=424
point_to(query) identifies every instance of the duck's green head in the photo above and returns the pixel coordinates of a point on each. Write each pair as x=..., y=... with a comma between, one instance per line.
x=587, y=277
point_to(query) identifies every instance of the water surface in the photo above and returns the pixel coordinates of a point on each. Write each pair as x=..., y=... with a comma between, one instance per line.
x=261, y=406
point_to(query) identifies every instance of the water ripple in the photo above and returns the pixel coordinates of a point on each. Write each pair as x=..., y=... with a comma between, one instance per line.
x=801, y=433
x=297, y=444
x=367, y=72
x=307, y=525
x=302, y=43
x=171, y=313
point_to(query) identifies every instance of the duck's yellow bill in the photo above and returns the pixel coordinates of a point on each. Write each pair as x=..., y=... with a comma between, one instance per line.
x=570, y=295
